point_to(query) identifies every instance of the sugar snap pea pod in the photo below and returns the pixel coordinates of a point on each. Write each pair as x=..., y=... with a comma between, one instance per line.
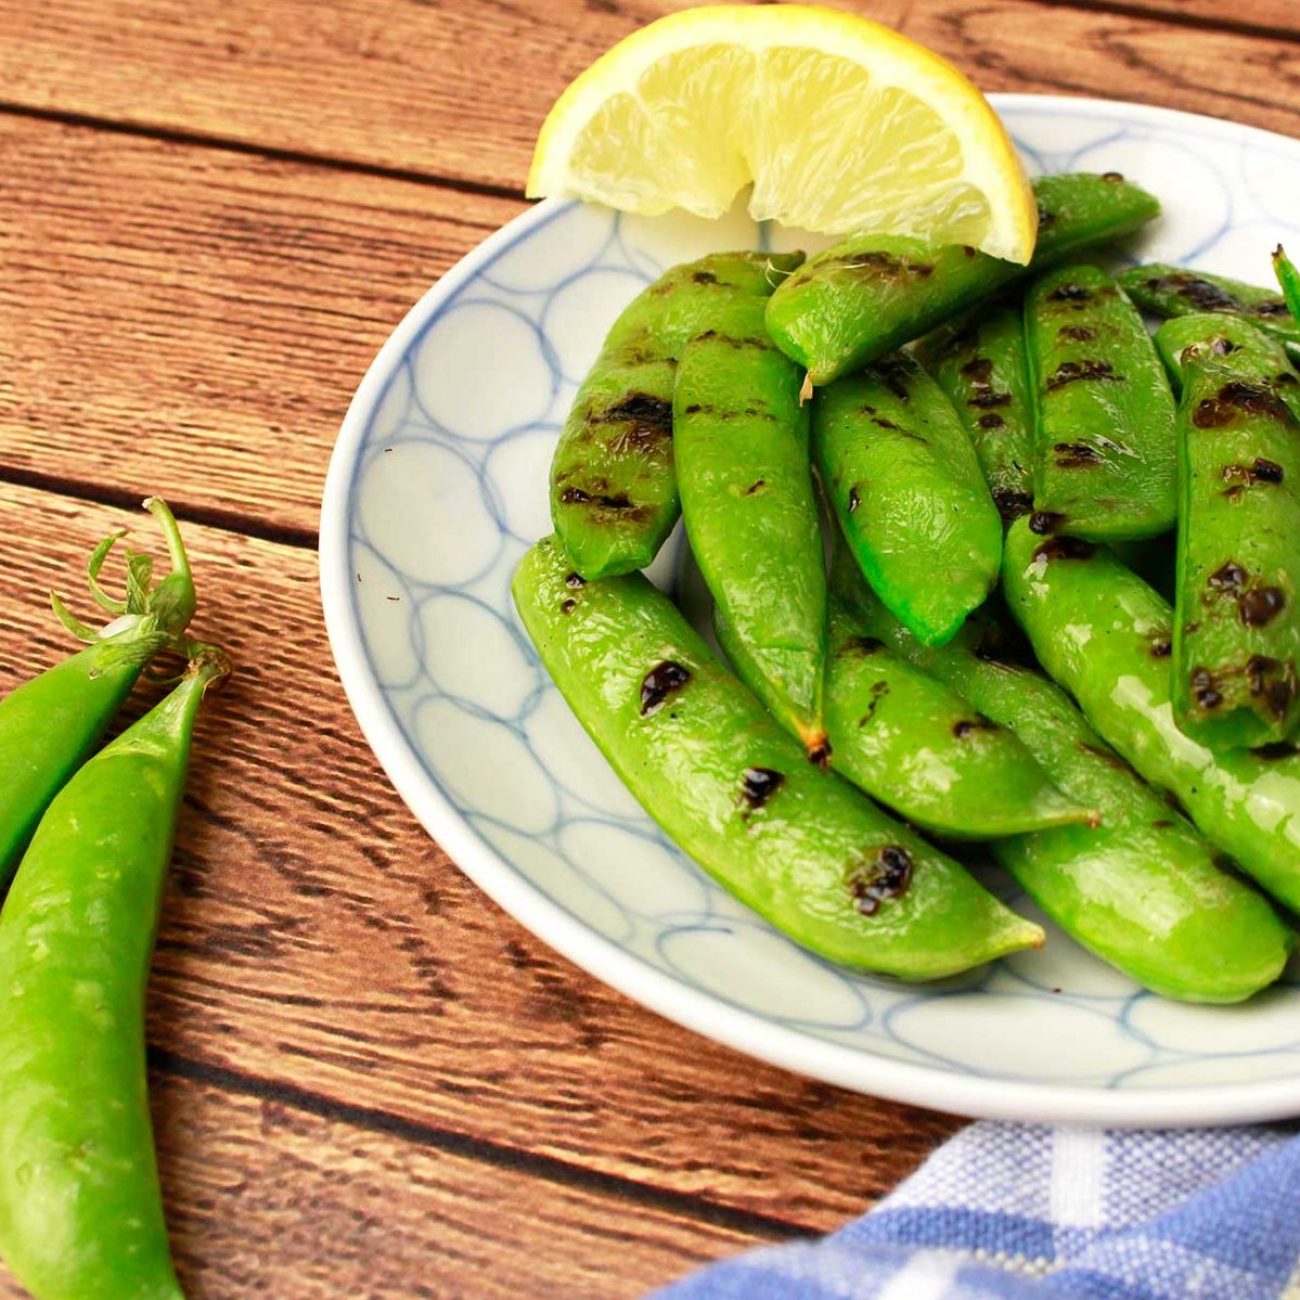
x=979, y=362
x=1139, y=887
x=613, y=487
x=1103, y=410
x=80, y=1210
x=870, y=294
x=50, y=724
x=1163, y=290
x=906, y=487
x=798, y=845
x=920, y=749
x=740, y=439
x=1236, y=616
x=1106, y=636
x=1230, y=336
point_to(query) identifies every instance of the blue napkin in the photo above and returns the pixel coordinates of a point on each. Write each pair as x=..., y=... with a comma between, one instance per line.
x=1021, y=1212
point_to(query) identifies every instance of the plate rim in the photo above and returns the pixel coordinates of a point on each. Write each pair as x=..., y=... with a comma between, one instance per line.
x=702, y=1012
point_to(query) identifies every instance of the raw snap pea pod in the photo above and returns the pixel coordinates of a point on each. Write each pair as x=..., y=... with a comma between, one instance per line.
x=1236, y=616
x=740, y=439
x=1103, y=410
x=919, y=748
x=1140, y=888
x=870, y=294
x=737, y=793
x=1106, y=636
x=613, y=486
x=50, y=724
x=906, y=487
x=1164, y=290
x=81, y=1214
x=980, y=364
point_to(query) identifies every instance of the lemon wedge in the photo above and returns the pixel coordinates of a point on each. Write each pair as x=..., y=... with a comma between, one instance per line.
x=841, y=124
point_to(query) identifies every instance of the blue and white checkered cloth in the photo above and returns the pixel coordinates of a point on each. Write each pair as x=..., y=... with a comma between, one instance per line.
x=1019, y=1212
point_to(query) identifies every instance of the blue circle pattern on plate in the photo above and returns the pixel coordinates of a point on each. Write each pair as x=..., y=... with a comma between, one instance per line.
x=449, y=489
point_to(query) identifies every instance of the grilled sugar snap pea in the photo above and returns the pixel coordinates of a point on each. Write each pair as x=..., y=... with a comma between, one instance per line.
x=980, y=364
x=1103, y=410
x=1106, y=636
x=870, y=294
x=1236, y=616
x=1229, y=336
x=905, y=485
x=798, y=845
x=919, y=748
x=740, y=439
x=613, y=488
x=1140, y=887
x=1164, y=290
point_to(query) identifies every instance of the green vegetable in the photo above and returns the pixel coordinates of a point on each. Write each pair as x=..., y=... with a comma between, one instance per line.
x=1141, y=888
x=1104, y=415
x=980, y=364
x=905, y=485
x=738, y=794
x=870, y=294
x=922, y=750
x=1289, y=280
x=613, y=487
x=80, y=1209
x=1229, y=335
x=741, y=442
x=1237, y=621
x=50, y=724
x=1164, y=290
x=1106, y=636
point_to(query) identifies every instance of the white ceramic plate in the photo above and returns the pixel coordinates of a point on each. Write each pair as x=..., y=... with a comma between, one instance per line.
x=437, y=486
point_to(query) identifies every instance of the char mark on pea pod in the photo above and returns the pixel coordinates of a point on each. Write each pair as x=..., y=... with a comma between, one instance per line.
x=979, y=371
x=886, y=876
x=1012, y=504
x=1065, y=548
x=878, y=692
x=1258, y=604
x=734, y=341
x=660, y=684
x=1237, y=398
x=1240, y=477
x=888, y=266
x=1269, y=680
x=1092, y=370
x=963, y=727
x=757, y=786
x=1199, y=293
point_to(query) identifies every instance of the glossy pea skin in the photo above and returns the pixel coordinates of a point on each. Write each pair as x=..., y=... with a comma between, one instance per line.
x=740, y=439
x=905, y=485
x=80, y=1208
x=806, y=851
x=980, y=364
x=1103, y=410
x=1169, y=291
x=923, y=751
x=613, y=485
x=1140, y=888
x=1106, y=636
x=870, y=294
x=1236, y=615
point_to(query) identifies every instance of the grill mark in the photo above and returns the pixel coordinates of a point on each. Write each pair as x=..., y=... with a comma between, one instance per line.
x=1012, y=504
x=1045, y=522
x=664, y=680
x=758, y=785
x=1075, y=455
x=1074, y=372
x=885, y=879
x=1259, y=606
x=1239, y=398
x=1065, y=548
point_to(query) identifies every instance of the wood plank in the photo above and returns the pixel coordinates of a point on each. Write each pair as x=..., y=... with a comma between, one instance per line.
x=459, y=91
x=1269, y=18
x=264, y=1198
x=179, y=320
x=315, y=936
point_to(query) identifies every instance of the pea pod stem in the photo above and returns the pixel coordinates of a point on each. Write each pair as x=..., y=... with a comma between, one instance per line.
x=796, y=844
x=50, y=724
x=81, y=1212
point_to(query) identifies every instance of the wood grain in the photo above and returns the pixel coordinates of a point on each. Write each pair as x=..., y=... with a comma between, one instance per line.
x=266, y=1199
x=314, y=936
x=193, y=322
x=458, y=91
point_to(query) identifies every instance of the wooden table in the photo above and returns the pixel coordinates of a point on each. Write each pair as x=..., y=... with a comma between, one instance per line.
x=367, y=1080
